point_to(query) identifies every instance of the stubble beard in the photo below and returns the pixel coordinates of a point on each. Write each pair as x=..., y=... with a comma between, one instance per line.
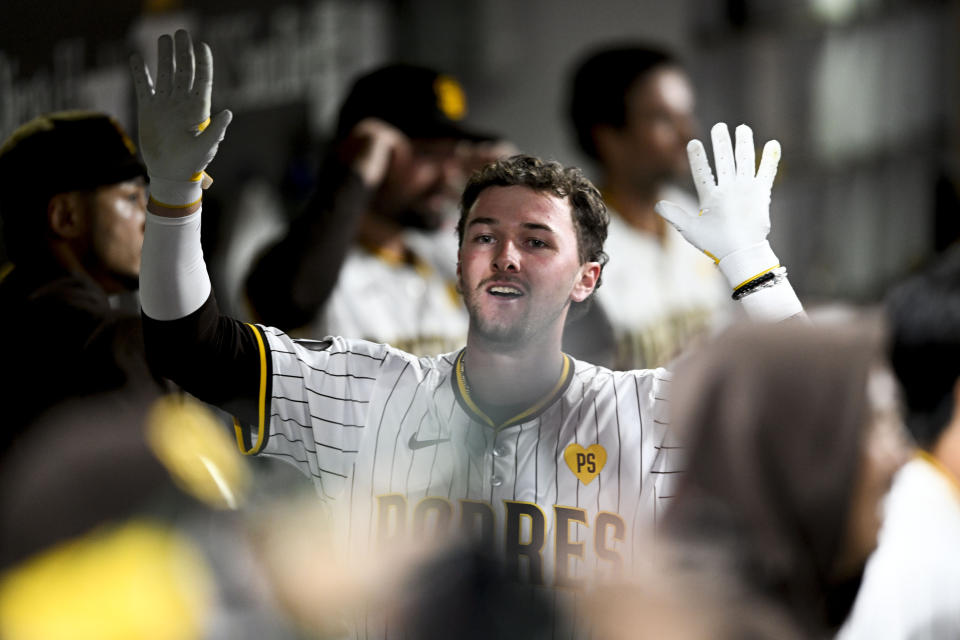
x=501, y=335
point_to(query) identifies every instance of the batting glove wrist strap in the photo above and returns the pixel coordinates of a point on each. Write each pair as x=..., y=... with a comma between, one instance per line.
x=745, y=265
x=176, y=194
x=173, y=276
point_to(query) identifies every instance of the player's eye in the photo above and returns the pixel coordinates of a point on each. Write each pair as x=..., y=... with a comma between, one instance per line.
x=537, y=243
x=483, y=238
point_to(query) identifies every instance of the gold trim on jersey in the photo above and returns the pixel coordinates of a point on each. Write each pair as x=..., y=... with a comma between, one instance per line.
x=951, y=479
x=406, y=256
x=261, y=403
x=463, y=393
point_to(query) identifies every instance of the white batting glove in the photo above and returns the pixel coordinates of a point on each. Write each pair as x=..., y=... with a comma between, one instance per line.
x=177, y=137
x=734, y=218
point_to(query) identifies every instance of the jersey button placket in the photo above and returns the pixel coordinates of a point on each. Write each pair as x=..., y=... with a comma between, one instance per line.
x=501, y=461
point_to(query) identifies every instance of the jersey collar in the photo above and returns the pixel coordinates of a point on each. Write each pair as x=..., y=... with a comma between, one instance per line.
x=938, y=467
x=462, y=392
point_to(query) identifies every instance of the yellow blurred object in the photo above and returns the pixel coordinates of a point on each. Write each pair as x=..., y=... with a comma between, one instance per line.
x=141, y=581
x=450, y=97
x=197, y=451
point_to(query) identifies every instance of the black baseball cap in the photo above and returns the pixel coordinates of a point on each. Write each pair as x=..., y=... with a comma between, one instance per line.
x=67, y=151
x=421, y=102
x=57, y=153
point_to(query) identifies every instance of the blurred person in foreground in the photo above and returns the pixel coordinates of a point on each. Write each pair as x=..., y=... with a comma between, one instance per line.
x=669, y=600
x=631, y=107
x=492, y=442
x=118, y=526
x=793, y=438
x=372, y=254
x=73, y=202
x=100, y=468
x=911, y=588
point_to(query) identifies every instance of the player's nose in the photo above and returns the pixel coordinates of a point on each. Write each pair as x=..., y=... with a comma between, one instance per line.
x=506, y=258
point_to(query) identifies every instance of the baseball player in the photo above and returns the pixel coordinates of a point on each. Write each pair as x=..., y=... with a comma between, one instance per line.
x=631, y=108
x=553, y=463
x=371, y=256
x=74, y=234
x=911, y=587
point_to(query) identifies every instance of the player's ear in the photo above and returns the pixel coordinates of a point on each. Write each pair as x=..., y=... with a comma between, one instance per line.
x=587, y=281
x=66, y=215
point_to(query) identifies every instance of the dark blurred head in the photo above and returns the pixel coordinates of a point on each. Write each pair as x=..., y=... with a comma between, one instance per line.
x=924, y=317
x=73, y=179
x=631, y=108
x=793, y=443
x=589, y=213
x=465, y=593
x=428, y=107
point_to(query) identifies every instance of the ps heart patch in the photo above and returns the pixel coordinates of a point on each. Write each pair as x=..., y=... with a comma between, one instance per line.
x=587, y=463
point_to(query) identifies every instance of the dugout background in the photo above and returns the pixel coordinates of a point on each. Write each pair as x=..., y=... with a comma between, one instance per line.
x=863, y=95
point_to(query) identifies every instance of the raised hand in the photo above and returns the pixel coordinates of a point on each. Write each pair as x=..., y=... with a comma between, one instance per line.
x=371, y=146
x=735, y=208
x=178, y=139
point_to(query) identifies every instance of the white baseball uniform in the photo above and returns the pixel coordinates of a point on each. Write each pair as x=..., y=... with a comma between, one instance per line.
x=560, y=491
x=658, y=295
x=410, y=304
x=911, y=588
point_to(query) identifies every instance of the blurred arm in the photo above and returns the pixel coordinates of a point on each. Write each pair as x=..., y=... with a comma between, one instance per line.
x=291, y=282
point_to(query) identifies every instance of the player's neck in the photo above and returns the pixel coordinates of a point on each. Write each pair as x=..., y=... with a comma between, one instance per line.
x=511, y=377
x=384, y=235
x=634, y=203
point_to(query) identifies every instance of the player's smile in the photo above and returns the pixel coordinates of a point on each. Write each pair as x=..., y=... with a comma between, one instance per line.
x=504, y=289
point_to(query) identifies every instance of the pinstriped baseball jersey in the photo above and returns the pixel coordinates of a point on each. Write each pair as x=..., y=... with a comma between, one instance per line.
x=559, y=490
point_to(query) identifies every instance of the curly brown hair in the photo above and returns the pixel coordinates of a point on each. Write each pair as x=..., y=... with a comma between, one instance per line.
x=590, y=218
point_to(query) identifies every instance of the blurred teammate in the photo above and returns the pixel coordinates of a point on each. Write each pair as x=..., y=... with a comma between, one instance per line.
x=372, y=254
x=72, y=199
x=551, y=463
x=107, y=482
x=911, y=588
x=793, y=441
x=632, y=109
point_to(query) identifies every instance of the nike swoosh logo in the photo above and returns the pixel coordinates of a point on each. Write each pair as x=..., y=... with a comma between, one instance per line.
x=413, y=443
